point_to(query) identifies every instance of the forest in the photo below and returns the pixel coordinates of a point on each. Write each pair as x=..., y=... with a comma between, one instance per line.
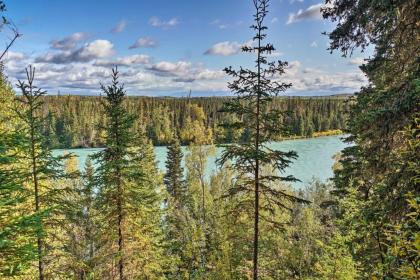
x=72, y=121
x=121, y=218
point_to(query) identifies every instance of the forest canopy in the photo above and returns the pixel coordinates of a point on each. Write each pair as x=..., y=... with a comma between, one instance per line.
x=72, y=121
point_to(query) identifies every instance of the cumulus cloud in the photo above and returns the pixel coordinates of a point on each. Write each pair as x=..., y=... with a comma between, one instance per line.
x=88, y=52
x=119, y=27
x=139, y=74
x=311, y=13
x=69, y=42
x=131, y=60
x=157, y=22
x=15, y=62
x=274, y=20
x=207, y=74
x=145, y=42
x=319, y=81
x=16, y=56
x=357, y=61
x=313, y=44
x=165, y=68
x=226, y=48
x=183, y=71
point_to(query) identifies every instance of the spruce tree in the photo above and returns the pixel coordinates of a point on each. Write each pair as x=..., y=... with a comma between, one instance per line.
x=40, y=167
x=128, y=193
x=174, y=175
x=17, y=225
x=255, y=90
x=113, y=164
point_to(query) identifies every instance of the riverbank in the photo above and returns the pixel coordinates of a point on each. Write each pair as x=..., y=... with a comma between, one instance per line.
x=334, y=132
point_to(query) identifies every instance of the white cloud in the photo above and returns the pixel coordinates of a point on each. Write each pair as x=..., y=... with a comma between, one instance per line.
x=145, y=42
x=156, y=22
x=293, y=1
x=357, y=61
x=131, y=60
x=224, y=48
x=69, y=42
x=319, y=81
x=207, y=74
x=11, y=55
x=311, y=13
x=119, y=27
x=165, y=68
x=313, y=44
x=15, y=62
x=274, y=20
x=97, y=48
x=88, y=52
x=183, y=71
x=293, y=68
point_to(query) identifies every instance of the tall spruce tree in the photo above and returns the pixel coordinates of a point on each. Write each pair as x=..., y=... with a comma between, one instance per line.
x=17, y=225
x=174, y=175
x=255, y=89
x=114, y=165
x=40, y=167
x=128, y=194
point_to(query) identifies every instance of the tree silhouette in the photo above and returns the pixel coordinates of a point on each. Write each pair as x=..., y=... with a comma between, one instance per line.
x=255, y=89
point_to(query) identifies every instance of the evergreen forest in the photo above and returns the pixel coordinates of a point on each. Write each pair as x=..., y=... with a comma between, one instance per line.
x=121, y=218
x=73, y=121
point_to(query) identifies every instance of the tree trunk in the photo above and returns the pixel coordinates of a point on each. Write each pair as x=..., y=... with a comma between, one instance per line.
x=36, y=190
x=257, y=168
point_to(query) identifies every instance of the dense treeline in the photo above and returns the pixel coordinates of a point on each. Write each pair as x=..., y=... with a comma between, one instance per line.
x=72, y=121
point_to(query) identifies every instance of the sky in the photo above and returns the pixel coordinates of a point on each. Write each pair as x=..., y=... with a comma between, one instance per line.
x=167, y=47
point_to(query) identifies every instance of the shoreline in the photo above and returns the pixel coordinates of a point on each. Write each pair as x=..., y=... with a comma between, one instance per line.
x=317, y=135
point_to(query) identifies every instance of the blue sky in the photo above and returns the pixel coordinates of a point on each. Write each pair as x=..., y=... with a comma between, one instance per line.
x=166, y=47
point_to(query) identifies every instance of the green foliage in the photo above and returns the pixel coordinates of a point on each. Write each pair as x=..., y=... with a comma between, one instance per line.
x=128, y=199
x=254, y=90
x=378, y=173
x=40, y=171
x=72, y=121
x=17, y=225
x=116, y=219
x=174, y=173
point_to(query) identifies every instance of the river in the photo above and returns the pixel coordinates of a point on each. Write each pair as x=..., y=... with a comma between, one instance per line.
x=315, y=157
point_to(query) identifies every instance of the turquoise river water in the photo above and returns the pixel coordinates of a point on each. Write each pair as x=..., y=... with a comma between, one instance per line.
x=315, y=157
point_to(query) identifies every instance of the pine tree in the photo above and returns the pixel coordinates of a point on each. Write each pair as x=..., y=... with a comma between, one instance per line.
x=173, y=179
x=255, y=90
x=40, y=167
x=128, y=193
x=113, y=167
x=17, y=225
